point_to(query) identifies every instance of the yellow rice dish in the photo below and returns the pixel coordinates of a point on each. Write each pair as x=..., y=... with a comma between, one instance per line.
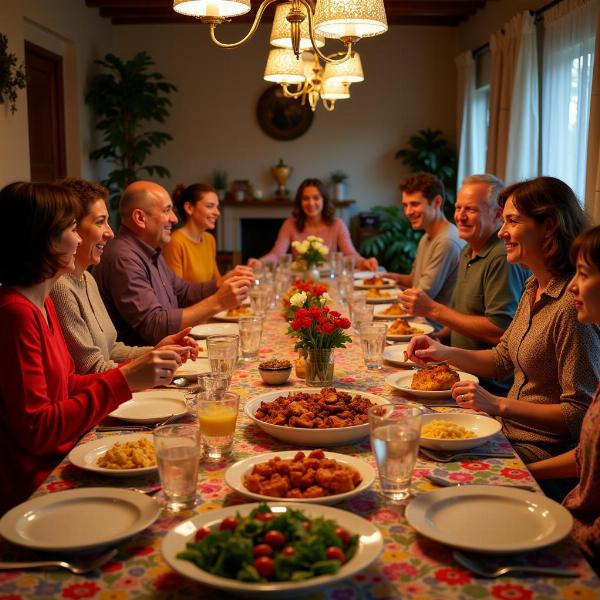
x=130, y=455
x=439, y=429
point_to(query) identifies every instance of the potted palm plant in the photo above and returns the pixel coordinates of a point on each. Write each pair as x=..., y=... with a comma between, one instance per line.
x=338, y=185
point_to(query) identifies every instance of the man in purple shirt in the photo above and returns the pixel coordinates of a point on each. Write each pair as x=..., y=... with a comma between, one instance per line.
x=145, y=299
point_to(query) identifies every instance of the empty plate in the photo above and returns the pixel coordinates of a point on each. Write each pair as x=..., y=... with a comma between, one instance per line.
x=201, y=331
x=151, y=406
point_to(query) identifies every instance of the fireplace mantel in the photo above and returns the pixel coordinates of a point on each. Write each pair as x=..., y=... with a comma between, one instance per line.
x=232, y=212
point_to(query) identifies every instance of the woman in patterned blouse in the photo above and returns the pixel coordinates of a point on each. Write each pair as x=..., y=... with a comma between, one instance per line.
x=553, y=356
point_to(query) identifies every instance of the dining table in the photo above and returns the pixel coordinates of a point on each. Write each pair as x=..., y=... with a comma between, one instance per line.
x=410, y=565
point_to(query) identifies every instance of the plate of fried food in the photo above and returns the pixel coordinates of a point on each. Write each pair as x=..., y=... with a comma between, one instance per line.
x=233, y=314
x=314, y=417
x=301, y=476
x=391, y=311
x=374, y=282
x=381, y=296
x=402, y=330
x=433, y=382
x=117, y=455
x=454, y=431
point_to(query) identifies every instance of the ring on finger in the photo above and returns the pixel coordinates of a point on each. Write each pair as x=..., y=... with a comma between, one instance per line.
x=462, y=397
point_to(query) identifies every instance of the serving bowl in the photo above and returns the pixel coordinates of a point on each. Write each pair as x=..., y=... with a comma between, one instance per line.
x=313, y=438
x=275, y=375
x=483, y=427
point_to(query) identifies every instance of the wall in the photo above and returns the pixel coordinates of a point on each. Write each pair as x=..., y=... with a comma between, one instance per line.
x=79, y=35
x=410, y=84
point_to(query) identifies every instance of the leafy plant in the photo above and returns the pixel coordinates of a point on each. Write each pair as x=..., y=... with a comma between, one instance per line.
x=429, y=151
x=219, y=179
x=338, y=177
x=396, y=243
x=126, y=99
x=12, y=77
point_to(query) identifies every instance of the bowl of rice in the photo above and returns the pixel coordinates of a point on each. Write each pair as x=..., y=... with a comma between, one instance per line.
x=456, y=430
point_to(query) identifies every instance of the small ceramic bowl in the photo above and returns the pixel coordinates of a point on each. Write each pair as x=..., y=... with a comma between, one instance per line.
x=275, y=372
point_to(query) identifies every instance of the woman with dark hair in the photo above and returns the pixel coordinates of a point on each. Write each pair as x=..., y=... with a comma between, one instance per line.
x=44, y=406
x=553, y=356
x=192, y=251
x=89, y=333
x=583, y=462
x=313, y=214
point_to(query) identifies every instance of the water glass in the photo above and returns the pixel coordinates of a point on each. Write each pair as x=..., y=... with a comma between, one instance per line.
x=178, y=455
x=222, y=353
x=395, y=431
x=285, y=262
x=250, y=334
x=217, y=416
x=372, y=342
x=213, y=383
x=260, y=298
x=348, y=265
x=362, y=313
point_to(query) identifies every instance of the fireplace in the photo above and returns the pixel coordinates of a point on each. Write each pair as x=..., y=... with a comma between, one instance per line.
x=258, y=236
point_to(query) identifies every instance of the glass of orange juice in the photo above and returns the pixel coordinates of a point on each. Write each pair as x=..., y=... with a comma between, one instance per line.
x=217, y=415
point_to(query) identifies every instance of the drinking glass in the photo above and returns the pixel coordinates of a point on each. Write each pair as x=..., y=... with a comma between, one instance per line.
x=213, y=383
x=357, y=299
x=217, y=416
x=223, y=353
x=178, y=455
x=260, y=297
x=250, y=334
x=285, y=261
x=395, y=430
x=348, y=265
x=362, y=314
x=372, y=342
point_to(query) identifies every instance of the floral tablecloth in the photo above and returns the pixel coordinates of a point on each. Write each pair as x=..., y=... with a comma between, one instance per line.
x=410, y=566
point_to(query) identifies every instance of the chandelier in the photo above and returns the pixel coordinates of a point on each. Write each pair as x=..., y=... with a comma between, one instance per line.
x=308, y=25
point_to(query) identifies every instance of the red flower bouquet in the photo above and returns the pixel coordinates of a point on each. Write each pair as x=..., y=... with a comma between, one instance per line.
x=305, y=294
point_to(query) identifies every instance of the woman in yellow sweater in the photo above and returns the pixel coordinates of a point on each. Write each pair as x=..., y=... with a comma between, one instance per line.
x=192, y=251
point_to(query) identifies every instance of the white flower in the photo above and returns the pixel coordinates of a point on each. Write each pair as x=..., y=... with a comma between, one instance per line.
x=327, y=300
x=302, y=247
x=313, y=238
x=322, y=249
x=298, y=299
x=295, y=245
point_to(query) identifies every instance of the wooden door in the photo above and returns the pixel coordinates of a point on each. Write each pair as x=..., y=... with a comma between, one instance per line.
x=45, y=106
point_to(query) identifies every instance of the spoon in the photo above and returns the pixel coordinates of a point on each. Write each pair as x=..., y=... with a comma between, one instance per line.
x=450, y=456
x=484, y=569
x=79, y=568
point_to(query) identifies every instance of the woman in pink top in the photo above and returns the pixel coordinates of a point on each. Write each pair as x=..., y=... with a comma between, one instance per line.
x=584, y=461
x=313, y=214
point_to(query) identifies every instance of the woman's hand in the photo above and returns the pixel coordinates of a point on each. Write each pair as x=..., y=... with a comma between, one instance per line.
x=368, y=264
x=422, y=349
x=152, y=368
x=181, y=338
x=254, y=262
x=471, y=395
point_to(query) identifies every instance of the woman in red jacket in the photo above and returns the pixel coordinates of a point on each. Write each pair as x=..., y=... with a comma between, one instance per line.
x=44, y=406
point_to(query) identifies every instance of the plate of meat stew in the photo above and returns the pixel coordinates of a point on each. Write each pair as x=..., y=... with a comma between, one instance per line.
x=301, y=476
x=314, y=417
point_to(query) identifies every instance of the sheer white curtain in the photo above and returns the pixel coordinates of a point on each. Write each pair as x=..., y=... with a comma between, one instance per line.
x=472, y=121
x=513, y=148
x=592, y=190
x=569, y=36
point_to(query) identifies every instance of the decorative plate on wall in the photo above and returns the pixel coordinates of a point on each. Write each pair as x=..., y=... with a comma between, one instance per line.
x=280, y=117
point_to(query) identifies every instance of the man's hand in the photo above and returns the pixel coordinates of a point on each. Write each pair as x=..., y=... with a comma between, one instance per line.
x=422, y=349
x=416, y=302
x=181, y=338
x=233, y=292
x=238, y=271
x=368, y=264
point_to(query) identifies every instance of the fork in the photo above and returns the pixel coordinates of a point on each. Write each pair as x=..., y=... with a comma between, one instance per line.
x=481, y=568
x=448, y=457
x=79, y=568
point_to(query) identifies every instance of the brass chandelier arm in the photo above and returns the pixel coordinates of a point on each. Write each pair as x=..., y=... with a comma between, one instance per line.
x=253, y=28
x=328, y=104
x=291, y=94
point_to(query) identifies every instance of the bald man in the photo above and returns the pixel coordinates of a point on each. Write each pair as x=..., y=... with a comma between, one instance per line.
x=145, y=299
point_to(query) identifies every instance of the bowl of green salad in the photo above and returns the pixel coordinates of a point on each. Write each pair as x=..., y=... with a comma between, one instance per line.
x=272, y=550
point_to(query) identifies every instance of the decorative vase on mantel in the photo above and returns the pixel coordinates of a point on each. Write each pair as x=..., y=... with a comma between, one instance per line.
x=319, y=365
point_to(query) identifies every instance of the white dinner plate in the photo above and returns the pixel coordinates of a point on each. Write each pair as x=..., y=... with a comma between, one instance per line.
x=234, y=476
x=360, y=275
x=193, y=367
x=489, y=519
x=201, y=331
x=483, y=427
x=402, y=381
x=393, y=297
x=151, y=406
x=369, y=548
x=222, y=316
x=361, y=285
x=85, y=456
x=315, y=438
x=378, y=313
x=395, y=355
x=425, y=329
x=79, y=519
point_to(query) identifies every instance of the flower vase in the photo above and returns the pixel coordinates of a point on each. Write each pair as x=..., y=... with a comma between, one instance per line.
x=312, y=272
x=319, y=367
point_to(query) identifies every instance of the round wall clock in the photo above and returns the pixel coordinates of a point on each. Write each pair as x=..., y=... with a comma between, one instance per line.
x=280, y=117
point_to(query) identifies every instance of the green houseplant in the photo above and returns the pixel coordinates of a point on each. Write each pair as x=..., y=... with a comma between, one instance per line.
x=338, y=183
x=126, y=98
x=12, y=76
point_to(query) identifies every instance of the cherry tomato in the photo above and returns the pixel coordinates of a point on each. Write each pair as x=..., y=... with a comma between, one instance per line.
x=262, y=550
x=275, y=538
x=335, y=553
x=343, y=535
x=228, y=523
x=288, y=551
x=201, y=533
x=265, y=566
x=267, y=516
